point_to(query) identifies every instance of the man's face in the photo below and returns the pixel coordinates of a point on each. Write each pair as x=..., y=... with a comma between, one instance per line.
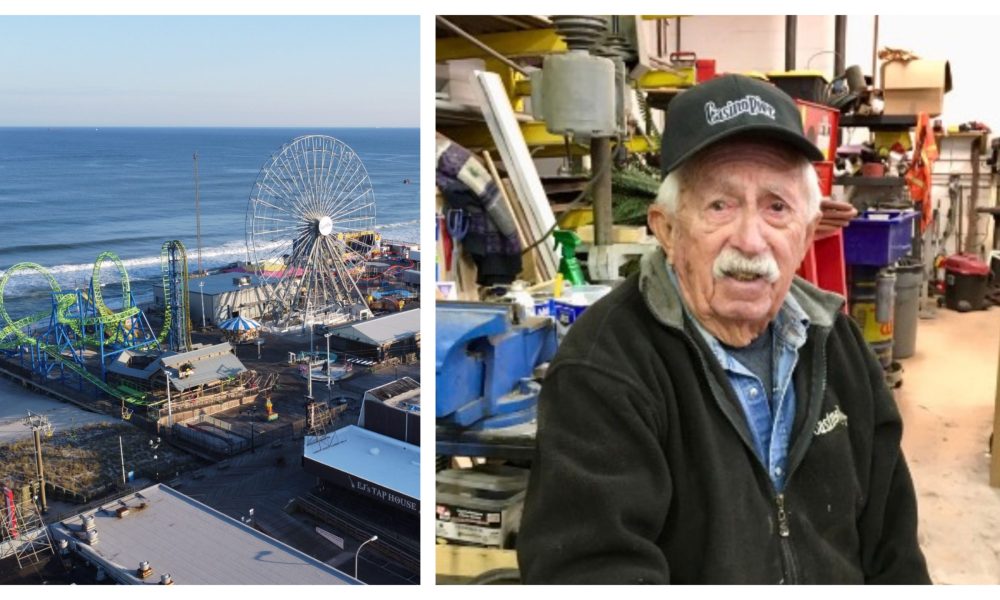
x=744, y=207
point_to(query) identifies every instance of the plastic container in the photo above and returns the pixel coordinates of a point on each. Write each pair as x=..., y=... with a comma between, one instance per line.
x=865, y=303
x=879, y=238
x=966, y=279
x=480, y=506
x=909, y=278
x=567, y=309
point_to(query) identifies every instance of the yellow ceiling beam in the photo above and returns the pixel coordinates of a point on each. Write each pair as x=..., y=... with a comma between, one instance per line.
x=535, y=135
x=512, y=44
x=684, y=77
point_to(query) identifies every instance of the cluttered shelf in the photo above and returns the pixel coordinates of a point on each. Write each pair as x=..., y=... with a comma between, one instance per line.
x=870, y=181
x=880, y=122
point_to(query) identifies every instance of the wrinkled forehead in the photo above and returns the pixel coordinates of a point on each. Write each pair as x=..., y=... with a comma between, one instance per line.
x=742, y=162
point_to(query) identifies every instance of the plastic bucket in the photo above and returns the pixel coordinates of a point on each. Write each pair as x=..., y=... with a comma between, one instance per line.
x=866, y=311
x=904, y=336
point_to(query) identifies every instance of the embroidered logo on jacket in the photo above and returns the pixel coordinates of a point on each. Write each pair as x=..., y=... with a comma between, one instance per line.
x=830, y=421
x=749, y=104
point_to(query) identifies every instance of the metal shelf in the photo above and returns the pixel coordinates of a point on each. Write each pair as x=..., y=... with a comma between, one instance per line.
x=870, y=181
x=880, y=122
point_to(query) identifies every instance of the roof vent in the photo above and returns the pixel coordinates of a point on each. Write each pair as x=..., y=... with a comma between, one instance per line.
x=91, y=537
x=144, y=570
x=122, y=512
x=88, y=522
x=166, y=579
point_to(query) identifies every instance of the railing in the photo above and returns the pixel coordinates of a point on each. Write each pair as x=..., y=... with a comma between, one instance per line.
x=389, y=544
x=234, y=442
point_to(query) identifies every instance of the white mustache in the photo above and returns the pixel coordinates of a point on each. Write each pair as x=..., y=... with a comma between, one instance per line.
x=731, y=260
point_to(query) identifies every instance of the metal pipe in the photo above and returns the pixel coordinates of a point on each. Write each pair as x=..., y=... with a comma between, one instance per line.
x=329, y=379
x=170, y=409
x=122, y=450
x=475, y=42
x=839, y=44
x=40, y=468
x=791, y=27
x=197, y=210
x=309, y=361
x=677, y=38
x=372, y=539
x=875, y=82
x=600, y=157
x=201, y=293
x=972, y=235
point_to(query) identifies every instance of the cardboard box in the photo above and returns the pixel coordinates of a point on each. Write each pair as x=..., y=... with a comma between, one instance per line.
x=915, y=86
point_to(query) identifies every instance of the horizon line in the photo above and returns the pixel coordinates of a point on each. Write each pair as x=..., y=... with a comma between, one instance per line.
x=211, y=126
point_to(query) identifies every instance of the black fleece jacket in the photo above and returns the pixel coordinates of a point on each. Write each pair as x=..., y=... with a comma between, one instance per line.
x=645, y=472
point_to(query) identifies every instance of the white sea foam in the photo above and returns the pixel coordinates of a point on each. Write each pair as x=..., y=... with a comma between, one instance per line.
x=74, y=276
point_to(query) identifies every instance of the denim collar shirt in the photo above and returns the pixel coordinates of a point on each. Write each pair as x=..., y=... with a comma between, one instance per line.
x=770, y=422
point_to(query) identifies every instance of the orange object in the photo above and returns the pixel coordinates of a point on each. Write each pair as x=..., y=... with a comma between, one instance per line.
x=824, y=172
x=918, y=176
x=9, y=514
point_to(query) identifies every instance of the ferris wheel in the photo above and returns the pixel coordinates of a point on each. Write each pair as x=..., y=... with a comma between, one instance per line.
x=310, y=230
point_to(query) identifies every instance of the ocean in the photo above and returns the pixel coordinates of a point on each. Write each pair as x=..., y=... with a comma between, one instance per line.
x=69, y=194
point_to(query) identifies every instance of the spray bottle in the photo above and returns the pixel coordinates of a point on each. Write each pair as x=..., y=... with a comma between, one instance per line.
x=569, y=266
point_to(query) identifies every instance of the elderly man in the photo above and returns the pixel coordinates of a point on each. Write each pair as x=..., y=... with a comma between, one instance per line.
x=714, y=419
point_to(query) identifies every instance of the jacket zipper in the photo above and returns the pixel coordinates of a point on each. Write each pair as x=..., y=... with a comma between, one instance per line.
x=787, y=558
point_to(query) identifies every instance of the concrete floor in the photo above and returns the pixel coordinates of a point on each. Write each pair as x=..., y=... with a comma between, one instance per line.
x=947, y=404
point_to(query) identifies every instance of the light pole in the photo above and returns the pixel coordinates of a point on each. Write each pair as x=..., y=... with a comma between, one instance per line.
x=170, y=409
x=371, y=539
x=253, y=445
x=38, y=424
x=201, y=287
x=329, y=379
x=309, y=360
x=252, y=411
x=156, y=459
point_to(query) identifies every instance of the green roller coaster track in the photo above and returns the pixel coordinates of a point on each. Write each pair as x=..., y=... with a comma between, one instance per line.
x=167, y=271
x=13, y=335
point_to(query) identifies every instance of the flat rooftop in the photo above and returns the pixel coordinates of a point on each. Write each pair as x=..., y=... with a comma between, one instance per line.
x=404, y=394
x=192, y=542
x=220, y=283
x=371, y=456
x=381, y=330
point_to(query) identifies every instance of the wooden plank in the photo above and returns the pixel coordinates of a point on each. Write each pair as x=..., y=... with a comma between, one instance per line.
x=995, y=450
x=457, y=563
x=529, y=264
x=531, y=269
x=523, y=174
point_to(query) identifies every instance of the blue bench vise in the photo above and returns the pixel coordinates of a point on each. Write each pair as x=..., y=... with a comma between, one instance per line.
x=484, y=364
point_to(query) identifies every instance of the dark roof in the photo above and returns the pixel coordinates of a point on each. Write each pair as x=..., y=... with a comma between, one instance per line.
x=393, y=388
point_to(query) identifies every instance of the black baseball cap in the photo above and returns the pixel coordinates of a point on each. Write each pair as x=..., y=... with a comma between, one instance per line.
x=727, y=106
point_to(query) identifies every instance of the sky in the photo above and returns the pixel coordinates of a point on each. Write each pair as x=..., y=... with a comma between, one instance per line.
x=203, y=71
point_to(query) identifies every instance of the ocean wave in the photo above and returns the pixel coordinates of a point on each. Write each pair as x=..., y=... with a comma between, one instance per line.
x=147, y=268
x=73, y=276
x=101, y=243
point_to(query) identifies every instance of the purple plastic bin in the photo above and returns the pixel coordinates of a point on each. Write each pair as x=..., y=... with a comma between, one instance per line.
x=879, y=238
